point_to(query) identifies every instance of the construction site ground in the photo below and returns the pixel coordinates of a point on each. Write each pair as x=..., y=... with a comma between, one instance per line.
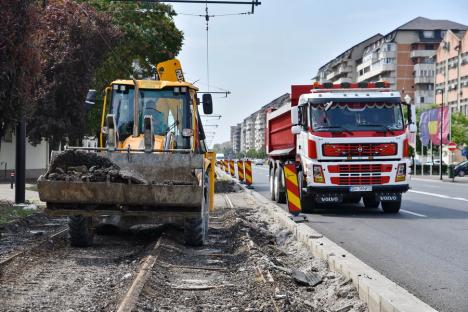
x=248, y=264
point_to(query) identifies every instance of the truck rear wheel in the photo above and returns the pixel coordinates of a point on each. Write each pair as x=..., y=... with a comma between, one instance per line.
x=272, y=183
x=370, y=201
x=391, y=206
x=280, y=194
x=81, y=231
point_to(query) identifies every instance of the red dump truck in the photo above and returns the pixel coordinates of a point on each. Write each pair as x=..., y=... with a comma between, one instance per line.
x=348, y=142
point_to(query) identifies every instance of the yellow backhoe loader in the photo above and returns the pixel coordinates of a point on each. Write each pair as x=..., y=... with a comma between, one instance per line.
x=152, y=164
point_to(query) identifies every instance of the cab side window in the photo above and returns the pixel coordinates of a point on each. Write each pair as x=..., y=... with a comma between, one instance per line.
x=303, y=116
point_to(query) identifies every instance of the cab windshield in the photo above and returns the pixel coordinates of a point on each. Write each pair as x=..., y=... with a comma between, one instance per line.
x=356, y=116
x=170, y=111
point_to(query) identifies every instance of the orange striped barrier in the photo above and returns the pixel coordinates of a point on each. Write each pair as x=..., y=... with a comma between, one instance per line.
x=226, y=166
x=232, y=169
x=248, y=173
x=240, y=170
x=292, y=189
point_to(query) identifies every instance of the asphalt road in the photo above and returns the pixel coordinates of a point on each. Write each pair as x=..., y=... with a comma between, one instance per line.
x=424, y=248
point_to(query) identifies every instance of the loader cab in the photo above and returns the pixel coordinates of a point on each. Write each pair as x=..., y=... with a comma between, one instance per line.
x=168, y=105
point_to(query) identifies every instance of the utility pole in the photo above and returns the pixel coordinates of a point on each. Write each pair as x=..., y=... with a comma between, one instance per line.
x=20, y=162
x=441, y=136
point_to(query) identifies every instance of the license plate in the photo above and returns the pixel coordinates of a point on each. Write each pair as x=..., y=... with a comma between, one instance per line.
x=361, y=188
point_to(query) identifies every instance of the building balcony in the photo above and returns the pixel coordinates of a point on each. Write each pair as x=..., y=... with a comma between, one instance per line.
x=344, y=79
x=387, y=54
x=422, y=53
x=424, y=73
x=339, y=71
x=363, y=65
x=424, y=79
x=376, y=69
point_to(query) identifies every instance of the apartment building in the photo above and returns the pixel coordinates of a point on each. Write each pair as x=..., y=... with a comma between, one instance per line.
x=451, y=80
x=343, y=67
x=406, y=57
x=236, y=138
x=252, y=129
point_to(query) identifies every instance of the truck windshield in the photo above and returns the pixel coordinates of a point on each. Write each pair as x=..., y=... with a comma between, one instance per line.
x=356, y=116
x=170, y=111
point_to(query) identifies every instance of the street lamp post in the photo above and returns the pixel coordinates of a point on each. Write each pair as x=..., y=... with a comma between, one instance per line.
x=441, y=91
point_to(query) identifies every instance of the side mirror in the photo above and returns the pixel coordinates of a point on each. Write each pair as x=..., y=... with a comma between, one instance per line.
x=296, y=129
x=207, y=104
x=90, y=99
x=294, y=115
x=412, y=128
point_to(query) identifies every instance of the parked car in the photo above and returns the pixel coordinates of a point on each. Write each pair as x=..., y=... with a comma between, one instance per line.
x=435, y=163
x=461, y=169
x=259, y=162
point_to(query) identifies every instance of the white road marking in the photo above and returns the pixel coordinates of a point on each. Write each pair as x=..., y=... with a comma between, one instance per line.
x=438, y=195
x=413, y=213
x=228, y=200
x=430, y=194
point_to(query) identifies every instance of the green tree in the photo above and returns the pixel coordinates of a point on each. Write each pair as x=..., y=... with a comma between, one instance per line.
x=72, y=48
x=149, y=37
x=19, y=61
x=459, y=129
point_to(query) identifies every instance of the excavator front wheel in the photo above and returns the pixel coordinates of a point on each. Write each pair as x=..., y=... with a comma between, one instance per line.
x=81, y=231
x=194, y=231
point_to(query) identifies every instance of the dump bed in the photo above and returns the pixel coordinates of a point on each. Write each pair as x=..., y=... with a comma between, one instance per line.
x=280, y=142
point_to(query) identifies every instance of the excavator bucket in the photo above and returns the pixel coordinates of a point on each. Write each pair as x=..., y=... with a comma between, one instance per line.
x=124, y=182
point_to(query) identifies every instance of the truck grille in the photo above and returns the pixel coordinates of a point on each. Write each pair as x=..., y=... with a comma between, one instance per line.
x=358, y=168
x=363, y=180
x=368, y=149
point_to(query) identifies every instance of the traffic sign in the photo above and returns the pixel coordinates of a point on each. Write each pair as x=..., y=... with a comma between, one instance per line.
x=452, y=146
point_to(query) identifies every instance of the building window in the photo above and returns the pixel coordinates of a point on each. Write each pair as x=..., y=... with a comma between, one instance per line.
x=8, y=136
x=429, y=46
x=428, y=34
x=421, y=99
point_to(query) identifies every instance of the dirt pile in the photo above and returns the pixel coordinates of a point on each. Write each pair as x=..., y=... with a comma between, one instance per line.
x=76, y=165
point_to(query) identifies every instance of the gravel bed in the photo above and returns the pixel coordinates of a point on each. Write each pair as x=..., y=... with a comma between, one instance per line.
x=61, y=278
x=247, y=265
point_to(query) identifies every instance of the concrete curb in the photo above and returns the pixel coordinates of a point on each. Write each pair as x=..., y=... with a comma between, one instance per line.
x=380, y=293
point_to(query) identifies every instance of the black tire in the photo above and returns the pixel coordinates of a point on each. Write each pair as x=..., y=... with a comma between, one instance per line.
x=272, y=183
x=391, y=206
x=194, y=231
x=280, y=194
x=370, y=201
x=81, y=231
x=308, y=204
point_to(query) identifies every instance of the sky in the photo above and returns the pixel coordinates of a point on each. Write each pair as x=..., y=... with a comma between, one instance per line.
x=257, y=57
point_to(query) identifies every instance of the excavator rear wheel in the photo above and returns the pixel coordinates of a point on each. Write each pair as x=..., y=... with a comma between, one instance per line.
x=81, y=231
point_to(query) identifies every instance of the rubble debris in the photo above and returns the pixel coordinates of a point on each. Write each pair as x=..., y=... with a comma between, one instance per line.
x=306, y=278
x=226, y=186
x=76, y=165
